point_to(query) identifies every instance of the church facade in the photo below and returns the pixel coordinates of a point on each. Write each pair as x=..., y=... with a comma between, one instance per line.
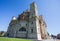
x=28, y=25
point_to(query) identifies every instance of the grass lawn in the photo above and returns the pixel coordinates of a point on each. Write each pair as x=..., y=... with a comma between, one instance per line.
x=13, y=39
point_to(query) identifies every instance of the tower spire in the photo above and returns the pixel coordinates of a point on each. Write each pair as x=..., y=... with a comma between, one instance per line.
x=34, y=16
x=33, y=9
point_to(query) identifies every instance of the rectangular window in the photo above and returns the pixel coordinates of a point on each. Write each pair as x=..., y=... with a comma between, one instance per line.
x=26, y=24
x=31, y=30
x=31, y=22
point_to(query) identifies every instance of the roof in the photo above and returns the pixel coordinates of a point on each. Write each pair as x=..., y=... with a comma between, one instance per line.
x=24, y=16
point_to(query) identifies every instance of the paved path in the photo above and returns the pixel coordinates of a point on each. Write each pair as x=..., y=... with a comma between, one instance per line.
x=47, y=40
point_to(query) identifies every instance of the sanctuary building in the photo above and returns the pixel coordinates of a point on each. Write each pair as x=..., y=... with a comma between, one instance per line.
x=28, y=25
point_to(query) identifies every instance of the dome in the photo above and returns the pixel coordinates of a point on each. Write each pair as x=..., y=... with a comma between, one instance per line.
x=13, y=18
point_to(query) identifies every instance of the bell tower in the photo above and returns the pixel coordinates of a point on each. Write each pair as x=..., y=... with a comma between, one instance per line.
x=34, y=27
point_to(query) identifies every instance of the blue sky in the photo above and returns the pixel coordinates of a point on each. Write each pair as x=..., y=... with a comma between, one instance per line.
x=50, y=9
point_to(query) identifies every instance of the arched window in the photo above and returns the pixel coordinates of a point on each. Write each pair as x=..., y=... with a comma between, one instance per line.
x=22, y=29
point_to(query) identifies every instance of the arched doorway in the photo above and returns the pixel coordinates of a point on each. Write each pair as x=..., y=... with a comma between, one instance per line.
x=22, y=33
